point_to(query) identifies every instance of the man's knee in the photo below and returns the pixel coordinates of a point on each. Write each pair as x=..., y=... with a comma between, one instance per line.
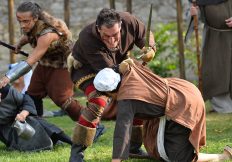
x=73, y=108
x=94, y=109
x=95, y=106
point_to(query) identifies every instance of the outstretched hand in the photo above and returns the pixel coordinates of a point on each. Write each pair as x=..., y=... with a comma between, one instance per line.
x=4, y=81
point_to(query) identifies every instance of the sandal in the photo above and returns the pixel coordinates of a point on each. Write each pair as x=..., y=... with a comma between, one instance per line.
x=228, y=151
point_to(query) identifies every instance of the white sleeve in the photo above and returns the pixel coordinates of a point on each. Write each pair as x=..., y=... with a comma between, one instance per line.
x=27, y=80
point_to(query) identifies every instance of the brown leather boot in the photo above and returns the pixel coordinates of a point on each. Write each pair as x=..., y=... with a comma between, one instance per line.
x=73, y=108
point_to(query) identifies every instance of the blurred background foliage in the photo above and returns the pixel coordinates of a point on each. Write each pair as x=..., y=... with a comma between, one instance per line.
x=166, y=61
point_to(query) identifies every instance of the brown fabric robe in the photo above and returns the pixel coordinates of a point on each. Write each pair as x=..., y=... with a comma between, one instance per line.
x=216, y=52
x=182, y=101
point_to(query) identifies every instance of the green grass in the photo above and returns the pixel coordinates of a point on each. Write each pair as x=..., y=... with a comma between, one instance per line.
x=219, y=131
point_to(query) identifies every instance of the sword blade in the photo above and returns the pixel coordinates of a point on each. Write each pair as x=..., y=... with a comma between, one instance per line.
x=148, y=28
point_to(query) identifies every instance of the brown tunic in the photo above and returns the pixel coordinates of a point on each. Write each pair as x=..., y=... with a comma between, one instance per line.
x=217, y=54
x=57, y=52
x=51, y=77
x=94, y=55
x=182, y=101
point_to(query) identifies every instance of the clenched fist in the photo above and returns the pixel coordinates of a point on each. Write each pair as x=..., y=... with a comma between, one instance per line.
x=73, y=63
x=125, y=65
x=148, y=54
x=22, y=115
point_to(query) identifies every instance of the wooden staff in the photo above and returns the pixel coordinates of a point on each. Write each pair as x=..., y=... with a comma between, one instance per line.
x=11, y=28
x=13, y=48
x=195, y=22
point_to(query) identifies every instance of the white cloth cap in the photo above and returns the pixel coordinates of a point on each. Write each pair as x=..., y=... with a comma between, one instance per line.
x=106, y=80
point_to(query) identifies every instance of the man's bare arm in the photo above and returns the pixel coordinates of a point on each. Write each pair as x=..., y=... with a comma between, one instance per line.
x=43, y=43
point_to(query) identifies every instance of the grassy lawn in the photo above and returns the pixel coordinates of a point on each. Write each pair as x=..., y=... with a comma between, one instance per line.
x=219, y=131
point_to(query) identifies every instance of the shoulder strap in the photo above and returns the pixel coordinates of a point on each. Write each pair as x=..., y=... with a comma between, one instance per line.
x=50, y=30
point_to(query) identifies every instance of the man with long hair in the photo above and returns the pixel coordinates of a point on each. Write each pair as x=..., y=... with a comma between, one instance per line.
x=51, y=42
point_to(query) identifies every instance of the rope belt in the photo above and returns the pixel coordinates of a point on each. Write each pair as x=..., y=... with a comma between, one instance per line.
x=220, y=30
x=160, y=139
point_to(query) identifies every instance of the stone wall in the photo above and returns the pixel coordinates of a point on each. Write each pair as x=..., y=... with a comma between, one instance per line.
x=83, y=12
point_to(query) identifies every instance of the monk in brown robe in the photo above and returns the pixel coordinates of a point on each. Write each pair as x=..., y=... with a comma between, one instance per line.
x=175, y=129
x=216, y=52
